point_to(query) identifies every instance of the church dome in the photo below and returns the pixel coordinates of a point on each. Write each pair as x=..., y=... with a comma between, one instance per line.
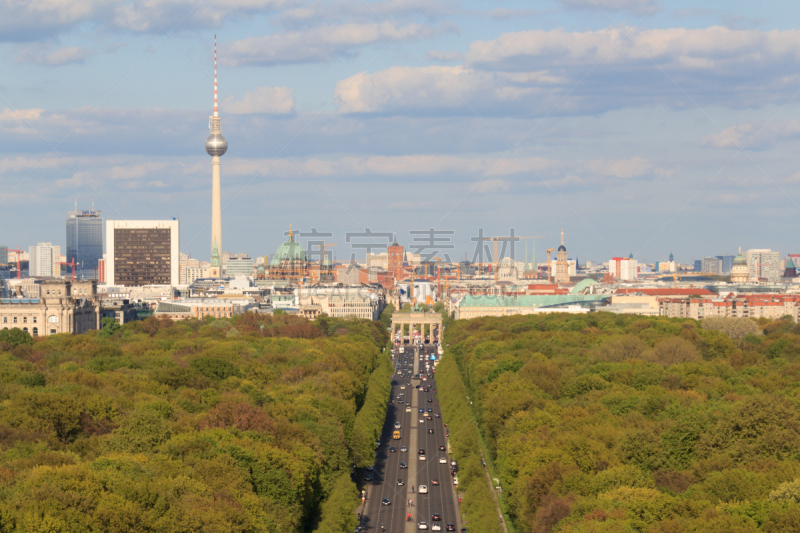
x=740, y=260
x=289, y=251
x=562, y=248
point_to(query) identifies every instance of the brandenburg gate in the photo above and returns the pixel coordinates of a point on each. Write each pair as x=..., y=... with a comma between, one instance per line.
x=420, y=319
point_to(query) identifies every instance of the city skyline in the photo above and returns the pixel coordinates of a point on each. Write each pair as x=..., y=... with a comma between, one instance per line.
x=530, y=127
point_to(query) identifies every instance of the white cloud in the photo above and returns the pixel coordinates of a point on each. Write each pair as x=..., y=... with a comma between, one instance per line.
x=320, y=43
x=753, y=136
x=263, y=100
x=437, y=55
x=533, y=73
x=46, y=55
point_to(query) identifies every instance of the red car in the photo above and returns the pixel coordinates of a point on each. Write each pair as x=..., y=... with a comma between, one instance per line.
x=434, y=482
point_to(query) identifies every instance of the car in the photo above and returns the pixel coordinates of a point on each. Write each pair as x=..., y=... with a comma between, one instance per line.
x=436, y=517
x=400, y=482
x=441, y=448
x=442, y=460
x=430, y=430
x=421, y=451
x=430, y=418
x=436, y=527
x=422, y=525
x=430, y=399
x=421, y=421
x=422, y=489
x=453, y=462
x=450, y=527
x=408, y=404
x=404, y=465
x=392, y=449
x=430, y=410
x=435, y=482
x=408, y=409
x=403, y=449
x=386, y=501
x=367, y=477
x=437, y=415
x=370, y=468
x=455, y=482
x=422, y=410
x=422, y=458
x=397, y=425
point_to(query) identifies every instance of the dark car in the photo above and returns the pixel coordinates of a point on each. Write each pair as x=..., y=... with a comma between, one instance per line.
x=437, y=415
x=367, y=477
x=386, y=501
x=422, y=410
x=430, y=399
x=391, y=449
x=421, y=451
x=403, y=465
x=430, y=410
x=436, y=517
x=450, y=527
x=430, y=418
x=430, y=430
x=400, y=482
x=441, y=448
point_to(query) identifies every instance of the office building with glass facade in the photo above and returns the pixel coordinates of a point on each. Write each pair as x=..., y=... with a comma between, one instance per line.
x=85, y=242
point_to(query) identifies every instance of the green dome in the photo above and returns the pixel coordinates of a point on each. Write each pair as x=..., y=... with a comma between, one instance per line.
x=740, y=260
x=289, y=251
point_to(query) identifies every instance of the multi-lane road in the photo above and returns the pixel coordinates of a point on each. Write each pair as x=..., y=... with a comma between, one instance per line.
x=419, y=431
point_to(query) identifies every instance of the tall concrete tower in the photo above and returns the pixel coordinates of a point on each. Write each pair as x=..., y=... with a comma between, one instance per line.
x=216, y=146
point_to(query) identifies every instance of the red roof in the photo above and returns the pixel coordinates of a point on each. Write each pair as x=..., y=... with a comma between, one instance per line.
x=666, y=292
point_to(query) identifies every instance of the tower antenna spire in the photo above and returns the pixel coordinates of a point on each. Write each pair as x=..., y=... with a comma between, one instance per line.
x=216, y=110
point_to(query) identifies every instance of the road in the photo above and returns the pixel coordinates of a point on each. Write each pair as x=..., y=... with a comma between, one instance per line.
x=414, y=433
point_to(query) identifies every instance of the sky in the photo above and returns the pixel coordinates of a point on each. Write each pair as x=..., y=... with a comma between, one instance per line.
x=638, y=127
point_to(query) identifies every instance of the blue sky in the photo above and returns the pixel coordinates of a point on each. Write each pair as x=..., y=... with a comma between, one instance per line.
x=638, y=126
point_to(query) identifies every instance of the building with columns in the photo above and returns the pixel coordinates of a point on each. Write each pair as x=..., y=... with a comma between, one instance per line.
x=409, y=321
x=62, y=307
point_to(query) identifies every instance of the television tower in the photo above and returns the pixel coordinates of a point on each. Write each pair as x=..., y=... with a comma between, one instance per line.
x=216, y=146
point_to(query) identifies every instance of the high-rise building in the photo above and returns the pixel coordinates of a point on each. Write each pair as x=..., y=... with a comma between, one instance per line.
x=764, y=264
x=395, y=260
x=239, y=266
x=44, y=260
x=727, y=262
x=623, y=268
x=712, y=265
x=142, y=252
x=84, y=241
x=698, y=265
x=3, y=255
x=216, y=146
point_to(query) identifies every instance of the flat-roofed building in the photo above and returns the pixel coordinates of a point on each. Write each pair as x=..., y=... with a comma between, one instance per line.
x=142, y=252
x=186, y=308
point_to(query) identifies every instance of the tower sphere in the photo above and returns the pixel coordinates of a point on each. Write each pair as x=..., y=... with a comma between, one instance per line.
x=216, y=145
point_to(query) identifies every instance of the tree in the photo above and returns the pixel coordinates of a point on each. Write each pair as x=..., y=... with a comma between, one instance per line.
x=108, y=327
x=15, y=337
x=735, y=328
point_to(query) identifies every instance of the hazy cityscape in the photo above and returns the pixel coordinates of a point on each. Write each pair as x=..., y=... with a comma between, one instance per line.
x=496, y=267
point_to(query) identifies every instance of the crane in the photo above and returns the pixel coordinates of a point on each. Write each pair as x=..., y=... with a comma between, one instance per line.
x=18, y=251
x=495, y=239
x=549, y=266
x=71, y=264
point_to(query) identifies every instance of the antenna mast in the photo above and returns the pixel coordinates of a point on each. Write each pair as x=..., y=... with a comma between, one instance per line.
x=216, y=111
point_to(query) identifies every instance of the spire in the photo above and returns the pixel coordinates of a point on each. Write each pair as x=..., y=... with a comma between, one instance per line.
x=562, y=236
x=291, y=233
x=216, y=111
x=215, y=255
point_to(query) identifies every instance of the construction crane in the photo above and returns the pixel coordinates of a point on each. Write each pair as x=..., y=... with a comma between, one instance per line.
x=511, y=237
x=549, y=266
x=18, y=251
x=318, y=272
x=71, y=264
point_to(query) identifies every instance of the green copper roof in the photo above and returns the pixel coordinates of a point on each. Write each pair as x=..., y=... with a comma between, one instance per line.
x=288, y=251
x=215, y=255
x=583, y=285
x=790, y=263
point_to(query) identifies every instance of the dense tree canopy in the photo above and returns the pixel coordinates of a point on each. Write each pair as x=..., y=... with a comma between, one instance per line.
x=245, y=424
x=612, y=423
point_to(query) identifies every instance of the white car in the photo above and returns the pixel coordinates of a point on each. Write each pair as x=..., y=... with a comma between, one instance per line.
x=442, y=460
x=423, y=525
x=397, y=425
x=436, y=527
x=408, y=409
x=422, y=489
x=422, y=457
